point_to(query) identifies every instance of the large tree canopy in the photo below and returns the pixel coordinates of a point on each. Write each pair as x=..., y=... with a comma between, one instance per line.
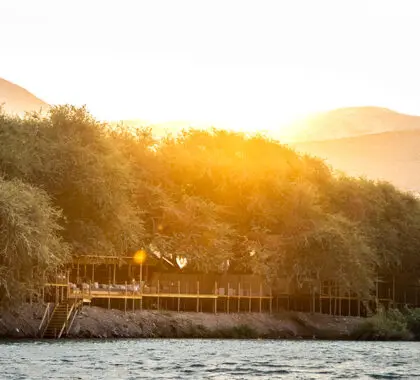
x=70, y=156
x=214, y=197
x=30, y=245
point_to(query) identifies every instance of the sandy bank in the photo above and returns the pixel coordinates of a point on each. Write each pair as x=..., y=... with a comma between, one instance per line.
x=94, y=322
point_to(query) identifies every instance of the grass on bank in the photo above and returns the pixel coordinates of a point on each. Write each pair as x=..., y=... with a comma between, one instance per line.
x=391, y=324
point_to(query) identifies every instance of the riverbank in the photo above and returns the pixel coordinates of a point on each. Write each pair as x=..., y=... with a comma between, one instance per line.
x=95, y=322
x=99, y=323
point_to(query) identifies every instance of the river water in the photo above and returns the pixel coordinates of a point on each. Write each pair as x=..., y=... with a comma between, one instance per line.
x=208, y=359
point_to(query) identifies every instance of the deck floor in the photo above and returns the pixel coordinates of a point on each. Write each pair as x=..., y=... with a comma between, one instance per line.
x=123, y=295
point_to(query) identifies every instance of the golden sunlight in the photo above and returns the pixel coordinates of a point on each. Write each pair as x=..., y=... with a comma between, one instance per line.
x=268, y=105
x=140, y=257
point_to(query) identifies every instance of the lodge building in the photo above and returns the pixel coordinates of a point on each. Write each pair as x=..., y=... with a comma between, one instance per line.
x=158, y=283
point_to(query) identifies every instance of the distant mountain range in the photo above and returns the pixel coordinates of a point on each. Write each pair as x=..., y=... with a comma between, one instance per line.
x=362, y=141
x=367, y=141
x=16, y=100
x=390, y=156
x=352, y=122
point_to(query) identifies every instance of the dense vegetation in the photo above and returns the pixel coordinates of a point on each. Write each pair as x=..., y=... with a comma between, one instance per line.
x=392, y=324
x=71, y=185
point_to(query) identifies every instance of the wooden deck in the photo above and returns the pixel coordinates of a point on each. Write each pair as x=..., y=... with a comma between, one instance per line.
x=134, y=300
x=114, y=295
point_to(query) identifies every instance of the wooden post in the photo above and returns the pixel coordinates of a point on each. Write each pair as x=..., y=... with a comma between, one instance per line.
x=335, y=300
x=68, y=284
x=358, y=306
x=78, y=273
x=339, y=300
x=260, y=297
x=228, y=299
x=113, y=273
x=393, y=291
x=109, y=295
x=93, y=272
x=320, y=296
x=239, y=297
x=179, y=293
x=313, y=298
x=141, y=301
x=215, y=299
x=329, y=294
x=198, y=298
x=271, y=301
x=349, y=311
x=250, y=298
x=320, y=303
x=57, y=292
x=125, y=299
x=133, y=297
x=158, y=298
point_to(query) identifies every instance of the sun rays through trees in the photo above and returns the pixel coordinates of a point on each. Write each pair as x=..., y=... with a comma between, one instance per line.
x=71, y=185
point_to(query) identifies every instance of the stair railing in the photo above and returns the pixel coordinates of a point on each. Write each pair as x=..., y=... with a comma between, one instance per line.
x=46, y=318
x=77, y=306
x=71, y=315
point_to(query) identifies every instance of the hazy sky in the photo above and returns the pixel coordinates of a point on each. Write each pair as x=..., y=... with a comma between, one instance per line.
x=254, y=64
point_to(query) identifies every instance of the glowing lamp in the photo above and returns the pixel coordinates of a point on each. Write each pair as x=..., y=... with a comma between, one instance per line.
x=140, y=257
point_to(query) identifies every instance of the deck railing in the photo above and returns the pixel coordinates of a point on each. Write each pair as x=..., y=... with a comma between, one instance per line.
x=167, y=288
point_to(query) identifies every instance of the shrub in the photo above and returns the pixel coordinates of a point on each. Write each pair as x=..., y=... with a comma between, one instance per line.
x=385, y=325
x=413, y=322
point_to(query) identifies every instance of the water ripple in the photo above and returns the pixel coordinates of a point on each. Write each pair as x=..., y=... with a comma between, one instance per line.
x=208, y=359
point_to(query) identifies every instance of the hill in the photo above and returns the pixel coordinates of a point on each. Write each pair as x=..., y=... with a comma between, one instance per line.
x=351, y=122
x=362, y=141
x=17, y=100
x=377, y=143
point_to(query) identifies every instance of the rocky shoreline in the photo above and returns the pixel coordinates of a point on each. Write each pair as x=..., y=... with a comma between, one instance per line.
x=95, y=322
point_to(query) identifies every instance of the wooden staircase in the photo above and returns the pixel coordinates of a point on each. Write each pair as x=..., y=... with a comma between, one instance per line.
x=61, y=319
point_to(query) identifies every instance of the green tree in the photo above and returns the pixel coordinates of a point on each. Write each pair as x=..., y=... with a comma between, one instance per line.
x=30, y=245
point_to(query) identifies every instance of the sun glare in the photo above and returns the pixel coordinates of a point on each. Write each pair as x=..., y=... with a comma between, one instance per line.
x=238, y=66
x=228, y=101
